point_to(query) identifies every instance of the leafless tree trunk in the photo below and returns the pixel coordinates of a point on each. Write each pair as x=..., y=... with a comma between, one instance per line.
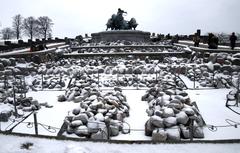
x=17, y=25
x=7, y=33
x=223, y=37
x=44, y=26
x=30, y=27
x=238, y=36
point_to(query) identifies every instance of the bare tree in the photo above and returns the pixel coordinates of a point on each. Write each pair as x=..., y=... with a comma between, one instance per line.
x=238, y=36
x=30, y=27
x=222, y=37
x=44, y=26
x=17, y=25
x=7, y=33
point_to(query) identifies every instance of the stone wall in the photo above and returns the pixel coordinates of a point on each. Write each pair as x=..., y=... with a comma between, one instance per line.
x=8, y=45
x=128, y=35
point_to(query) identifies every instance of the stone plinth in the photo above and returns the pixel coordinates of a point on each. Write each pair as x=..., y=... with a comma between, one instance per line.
x=115, y=35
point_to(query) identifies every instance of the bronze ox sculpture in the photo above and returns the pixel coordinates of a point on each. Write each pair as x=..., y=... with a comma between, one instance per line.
x=117, y=22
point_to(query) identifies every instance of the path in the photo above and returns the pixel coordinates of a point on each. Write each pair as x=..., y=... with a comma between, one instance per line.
x=27, y=50
x=137, y=117
x=188, y=82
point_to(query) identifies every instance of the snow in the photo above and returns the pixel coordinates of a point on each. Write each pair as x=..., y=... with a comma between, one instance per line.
x=28, y=49
x=211, y=104
x=213, y=111
x=41, y=145
x=15, y=51
x=5, y=107
x=137, y=116
x=48, y=116
x=188, y=82
x=190, y=43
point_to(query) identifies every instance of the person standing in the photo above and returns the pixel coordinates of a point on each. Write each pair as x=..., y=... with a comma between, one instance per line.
x=212, y=41
x=196, y=40
x=233, y=39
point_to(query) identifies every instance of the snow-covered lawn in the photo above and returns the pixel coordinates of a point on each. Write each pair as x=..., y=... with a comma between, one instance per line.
x=49, y=116
x=13, y=144
x=210, y=102
x=212, y=107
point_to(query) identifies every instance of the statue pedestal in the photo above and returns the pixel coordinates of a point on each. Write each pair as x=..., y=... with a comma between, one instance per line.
x=115, y=35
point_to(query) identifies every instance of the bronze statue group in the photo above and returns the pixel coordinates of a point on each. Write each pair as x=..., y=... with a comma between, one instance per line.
x=117, y=22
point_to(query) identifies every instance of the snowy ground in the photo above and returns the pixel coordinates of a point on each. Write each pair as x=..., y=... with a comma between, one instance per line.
x=210, y=102
x=190, y=43
x=212, y=106
x=138, y=116
x=47, y=116
x=40, y=145
x=28, y=49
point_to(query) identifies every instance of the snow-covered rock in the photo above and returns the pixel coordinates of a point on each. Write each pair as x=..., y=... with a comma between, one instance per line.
x=168, y=112
x=82, y=131
x=157, y=121
x=173, y=134
x=185, y=131
x=6, y=110
x=76, y=123
x=100, y=135
x=114, y=130
x=189, y=111
x=159, y=134
x=182, y=118
x=149, y=128
x=82, y=117
x=170, y=121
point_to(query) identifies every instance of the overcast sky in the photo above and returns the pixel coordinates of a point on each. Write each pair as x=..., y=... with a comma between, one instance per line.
x=74, y=17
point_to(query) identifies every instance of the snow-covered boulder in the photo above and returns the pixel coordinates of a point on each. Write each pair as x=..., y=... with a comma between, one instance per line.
x=157, y=121
x=185, y=131
x=100, y=135
x=70, y=130
x=189, y=111
x=2, y=67
x=76, y=123
x=182, y=118
x=62, y=98
x=82, y=117
x=82, y=131
x=168, y=112
x=156, y=112
x=6, y=110
x=170, y=121
x=198, y=131
x=159, y=134
x=149, y=128
x=93, y=126
x=114, y=130
x=76, y=111
x=210, y=66
x=99, y=117
x=173, y=134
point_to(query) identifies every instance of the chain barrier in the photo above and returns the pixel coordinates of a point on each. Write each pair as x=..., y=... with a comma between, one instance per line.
x=52, y=129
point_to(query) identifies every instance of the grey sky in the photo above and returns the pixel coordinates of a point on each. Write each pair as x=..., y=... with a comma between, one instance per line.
x=74, y=17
